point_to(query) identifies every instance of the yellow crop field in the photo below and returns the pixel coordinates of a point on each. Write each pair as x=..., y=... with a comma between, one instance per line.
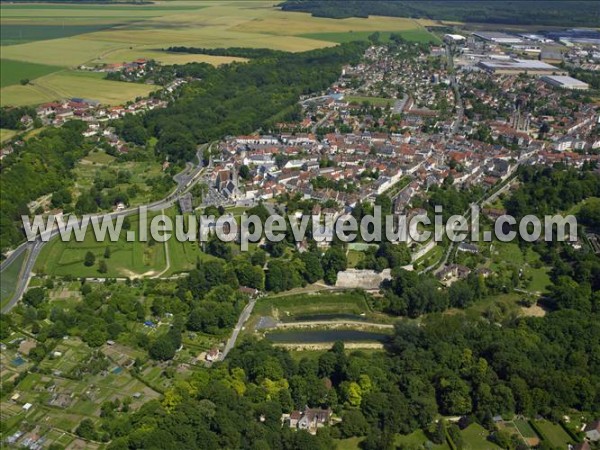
x=165, y=57
x=68, y=84
x=66, y=52
x=72, y=35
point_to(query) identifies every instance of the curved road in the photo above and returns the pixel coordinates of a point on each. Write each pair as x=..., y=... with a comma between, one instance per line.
x=185, y=180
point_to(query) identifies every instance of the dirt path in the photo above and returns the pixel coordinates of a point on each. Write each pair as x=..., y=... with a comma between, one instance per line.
x=167, y=257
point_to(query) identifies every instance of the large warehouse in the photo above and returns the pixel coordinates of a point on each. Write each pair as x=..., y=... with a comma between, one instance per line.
x=565, y=82
x=516, y=66
x=498, y=37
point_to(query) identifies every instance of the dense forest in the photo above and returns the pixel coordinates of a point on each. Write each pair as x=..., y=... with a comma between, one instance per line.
x=38, y=167
x=564, y=13
x=241, y=98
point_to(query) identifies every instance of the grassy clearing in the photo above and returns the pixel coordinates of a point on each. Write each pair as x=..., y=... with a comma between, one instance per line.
x=535, y=275
x=12, y=72
x=346, y=444
x=375, y=101
x=9, y=277
x=475, y=437
x=417, y=439
x=554, y=433
x=354, y=258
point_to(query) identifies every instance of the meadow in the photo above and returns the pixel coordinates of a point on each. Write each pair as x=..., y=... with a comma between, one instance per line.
x=475, y=437
x=6, y=135
x=67, y=36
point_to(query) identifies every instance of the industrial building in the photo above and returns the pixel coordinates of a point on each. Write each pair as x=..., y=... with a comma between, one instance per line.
x=565, y=82
x=498, y=37
x=516, y=66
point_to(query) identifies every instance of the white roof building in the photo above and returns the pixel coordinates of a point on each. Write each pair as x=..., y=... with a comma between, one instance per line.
x=454, y=38
x=565, y=82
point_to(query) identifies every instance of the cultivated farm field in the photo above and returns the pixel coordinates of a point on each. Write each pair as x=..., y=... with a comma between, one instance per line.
x=46, y=42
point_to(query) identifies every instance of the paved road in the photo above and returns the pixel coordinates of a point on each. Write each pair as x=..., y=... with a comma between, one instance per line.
x=184, y=183
x=244, y=316
x=460, y=110
x=399, y=104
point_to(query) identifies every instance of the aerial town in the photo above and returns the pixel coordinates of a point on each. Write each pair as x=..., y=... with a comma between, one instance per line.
x=428, y=345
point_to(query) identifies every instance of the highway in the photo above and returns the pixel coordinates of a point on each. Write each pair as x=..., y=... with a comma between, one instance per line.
x=185, y=181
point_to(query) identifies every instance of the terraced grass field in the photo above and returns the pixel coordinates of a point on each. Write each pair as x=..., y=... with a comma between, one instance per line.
x=67, y=36
x=127, y=259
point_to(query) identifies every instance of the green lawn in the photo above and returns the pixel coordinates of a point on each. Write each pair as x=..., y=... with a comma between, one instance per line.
x=554, y=433
x=475, y=438
x=417, y=439
x=354, y=258
x=525, y=428
x=307, y=304
x=375, y=101
x=12, y=72
x=347, y=444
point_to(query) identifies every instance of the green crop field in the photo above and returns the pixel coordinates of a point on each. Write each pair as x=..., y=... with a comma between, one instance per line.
x=12, y=72
x=21, y=33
